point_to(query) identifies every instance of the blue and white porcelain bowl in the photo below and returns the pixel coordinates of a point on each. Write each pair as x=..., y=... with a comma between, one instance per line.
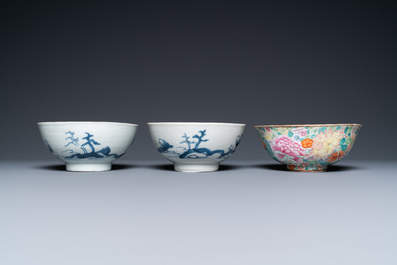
x=87, y=146
x=196, y=146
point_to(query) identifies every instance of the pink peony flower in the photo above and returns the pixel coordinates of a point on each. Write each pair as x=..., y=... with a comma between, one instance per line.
x=300, y=130
x=285, y=146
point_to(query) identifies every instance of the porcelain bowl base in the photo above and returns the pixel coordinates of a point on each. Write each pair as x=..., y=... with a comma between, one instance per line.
x=181, y=167
x=88, y=167
x=307, y=168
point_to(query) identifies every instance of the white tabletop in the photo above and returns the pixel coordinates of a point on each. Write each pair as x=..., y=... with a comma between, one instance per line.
x=249, y=213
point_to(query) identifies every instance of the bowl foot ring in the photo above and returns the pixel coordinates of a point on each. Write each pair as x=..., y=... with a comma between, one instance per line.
x=88, y=167
x=307, y=168
x=196, y=167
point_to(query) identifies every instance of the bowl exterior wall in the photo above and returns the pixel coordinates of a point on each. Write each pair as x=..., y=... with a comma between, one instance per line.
x=196, y=143
x=306, y=146
x=84, y=143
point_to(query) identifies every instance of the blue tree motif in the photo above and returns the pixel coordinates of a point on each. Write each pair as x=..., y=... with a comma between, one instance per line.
x=199, y=150
x=187, y=141
x=104, y=152
x=73, y=140
x=200, y=138
x=89, y=142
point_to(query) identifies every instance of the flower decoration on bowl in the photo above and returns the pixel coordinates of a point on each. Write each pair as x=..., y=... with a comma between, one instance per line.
x=310, y=147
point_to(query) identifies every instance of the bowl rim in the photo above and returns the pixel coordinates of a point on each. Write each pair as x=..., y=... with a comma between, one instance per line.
x=197, y=123
x=85, y=122
x=309, y=125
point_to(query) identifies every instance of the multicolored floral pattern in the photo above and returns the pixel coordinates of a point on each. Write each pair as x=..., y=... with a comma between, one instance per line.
x=308, y=148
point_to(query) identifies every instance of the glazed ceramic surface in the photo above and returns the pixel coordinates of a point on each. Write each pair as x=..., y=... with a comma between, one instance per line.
x=87, y=146
x=308, y=147
x=196, y=147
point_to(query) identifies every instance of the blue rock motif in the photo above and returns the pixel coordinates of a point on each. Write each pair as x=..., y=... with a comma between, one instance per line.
x=193, y=150
x=89, y=142
x=164, y=146
x=49, y=146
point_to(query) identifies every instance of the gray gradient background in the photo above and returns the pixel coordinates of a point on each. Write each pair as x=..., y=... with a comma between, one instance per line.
x=251, y=62
x=259, y=63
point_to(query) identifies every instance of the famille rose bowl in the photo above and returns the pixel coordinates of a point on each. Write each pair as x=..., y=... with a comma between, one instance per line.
x=309, y=147
x=196, y=146
x=87, y=146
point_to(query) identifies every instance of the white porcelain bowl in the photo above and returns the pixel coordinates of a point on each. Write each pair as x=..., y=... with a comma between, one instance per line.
x=87, y=146
x=196, y=146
